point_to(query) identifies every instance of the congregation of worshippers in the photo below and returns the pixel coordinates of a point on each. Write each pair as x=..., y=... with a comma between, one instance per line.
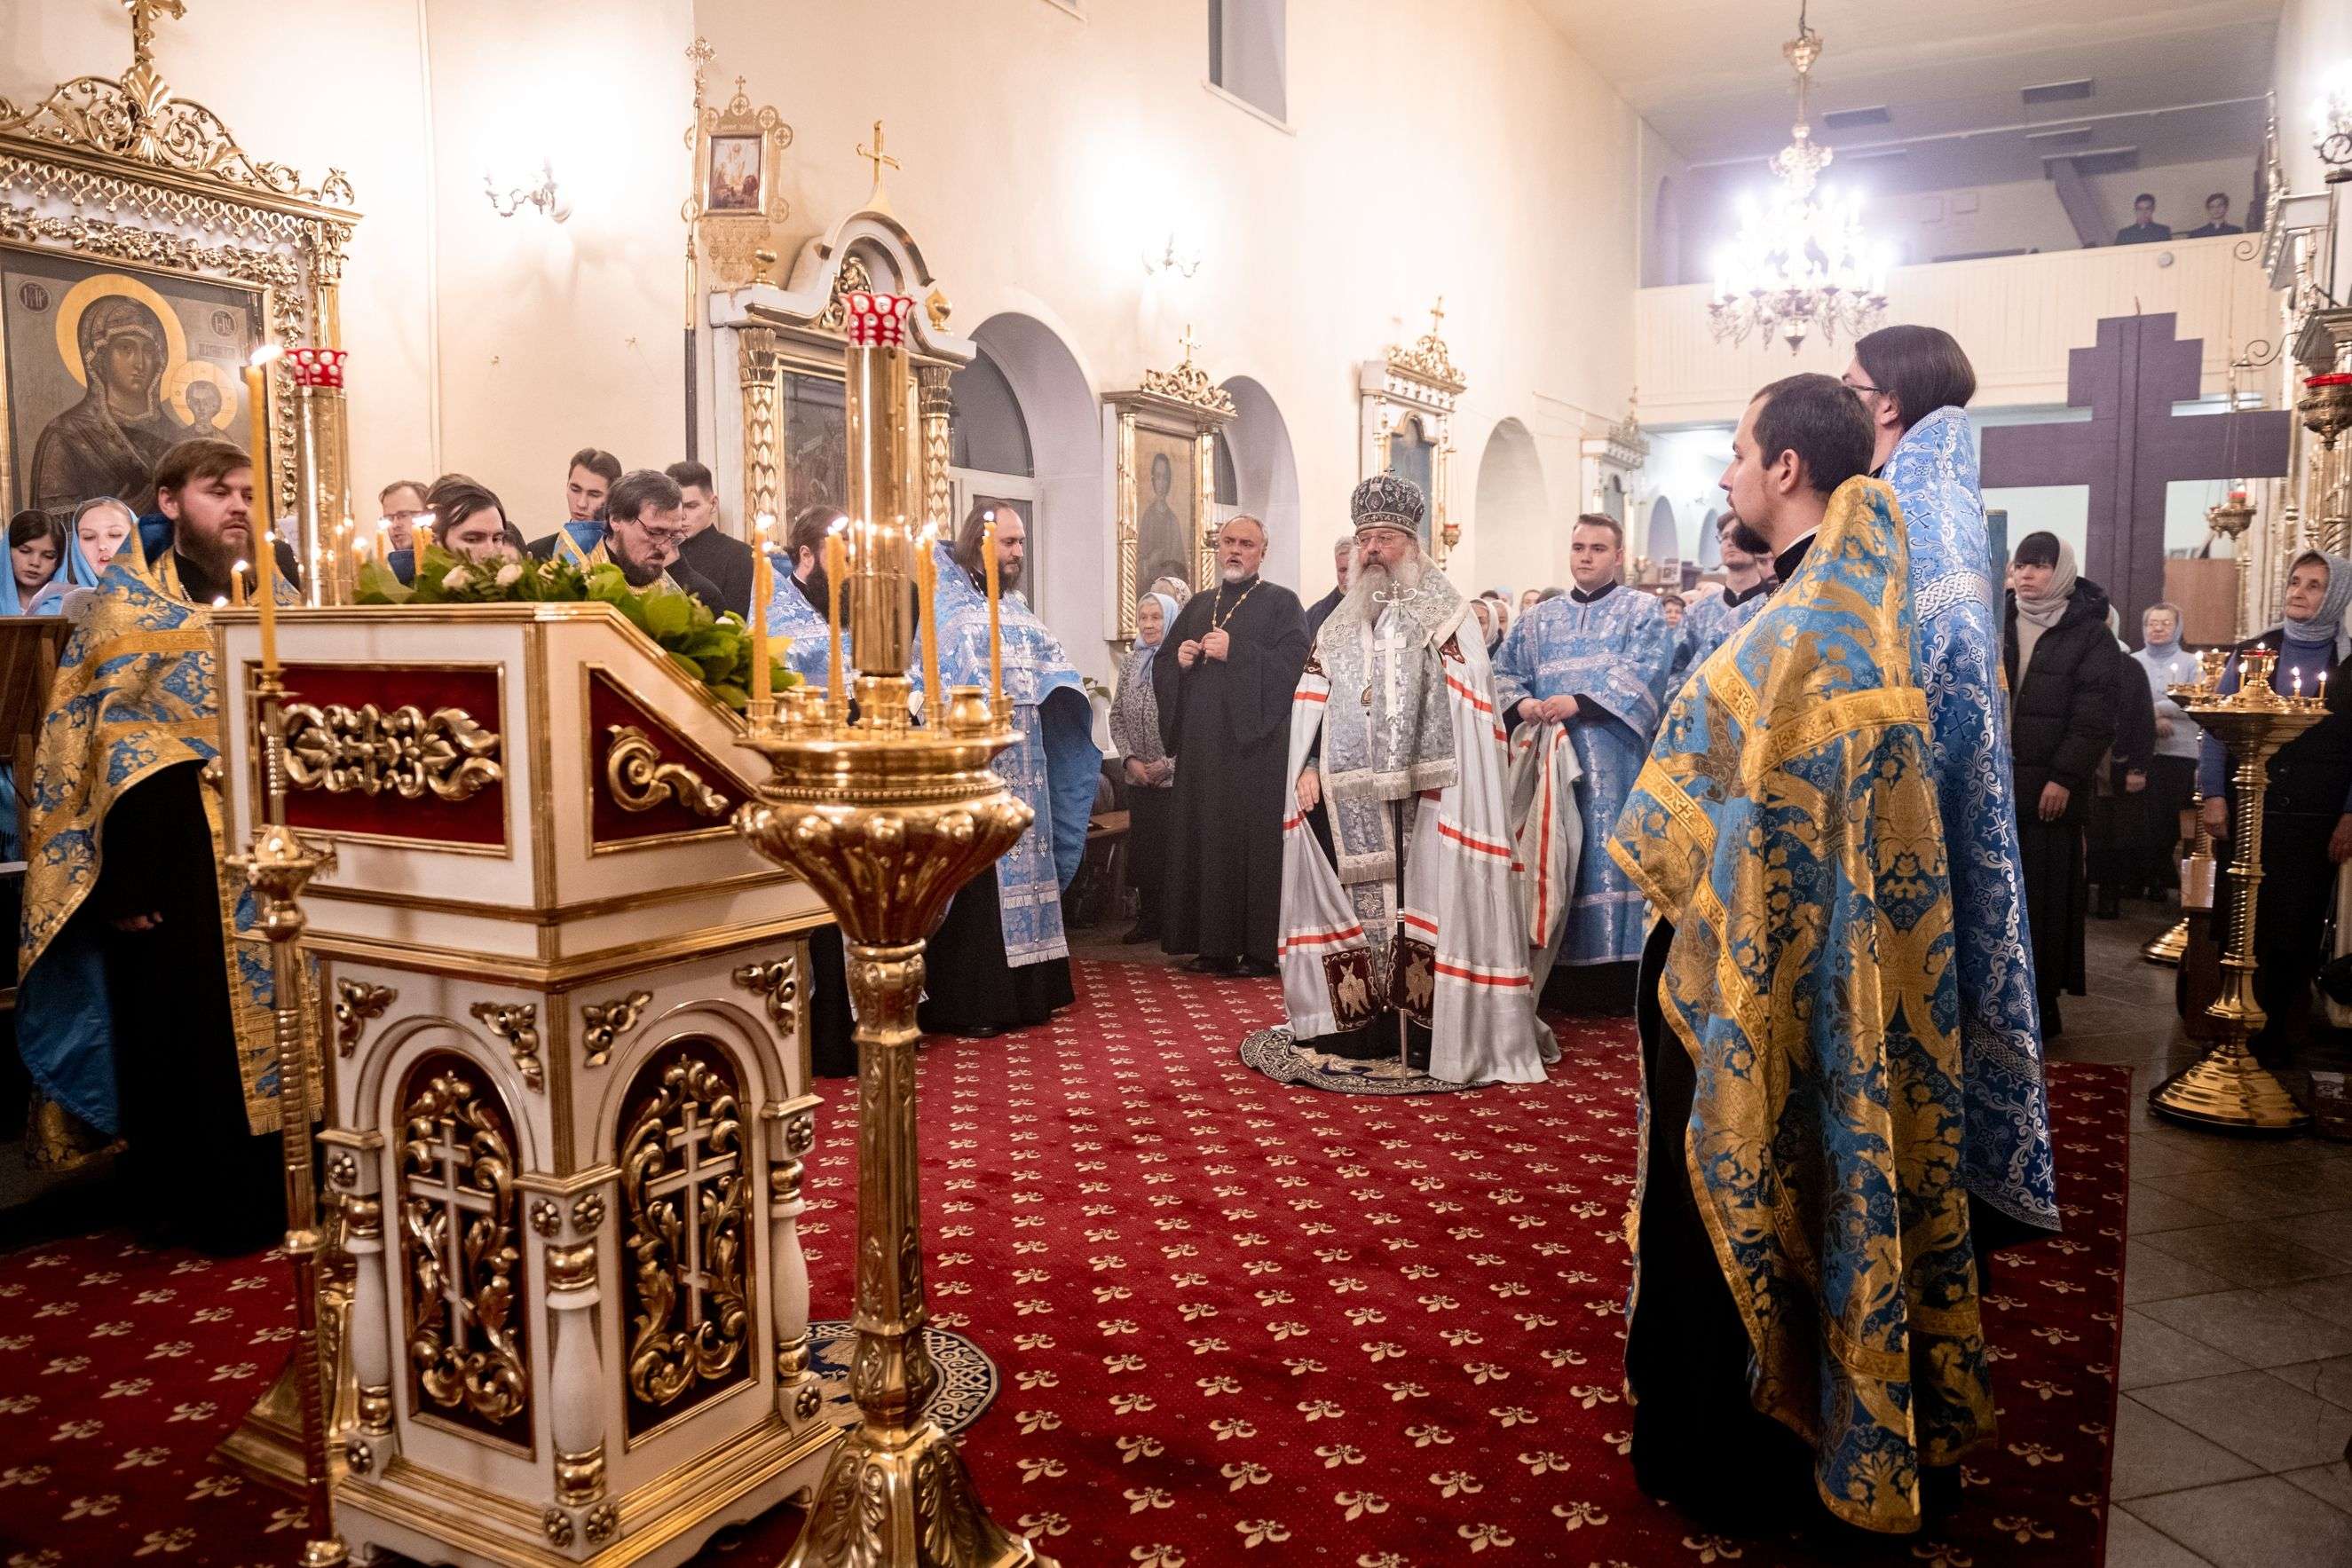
x=1441, y=818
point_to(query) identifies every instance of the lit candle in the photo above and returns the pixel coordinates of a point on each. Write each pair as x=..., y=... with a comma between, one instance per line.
x=423, y=534
x=382, y=539
x=995, y=621
x=2298, y=685
x=926, y=587
x=237, y=584
x=257, y=396
x=2323, y=686
x=350, y=564
x=762, y=690
x=836, y=572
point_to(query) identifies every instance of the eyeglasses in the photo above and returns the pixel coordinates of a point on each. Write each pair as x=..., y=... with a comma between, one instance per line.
x=669, y=536
x=1860, y=388
x=401, y=517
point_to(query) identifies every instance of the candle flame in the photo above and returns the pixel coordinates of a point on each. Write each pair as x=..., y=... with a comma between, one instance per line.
x=220, y=601
x=265, y=353
x=242, y=566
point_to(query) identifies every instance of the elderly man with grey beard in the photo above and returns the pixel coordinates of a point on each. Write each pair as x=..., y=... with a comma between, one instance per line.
x=1224, y=681
x=1405, y=938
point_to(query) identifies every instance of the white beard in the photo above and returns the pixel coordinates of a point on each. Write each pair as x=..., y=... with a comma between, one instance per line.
x=1232, y=573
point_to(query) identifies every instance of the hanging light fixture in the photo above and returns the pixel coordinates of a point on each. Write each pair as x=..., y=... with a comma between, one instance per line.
x=1800, y=262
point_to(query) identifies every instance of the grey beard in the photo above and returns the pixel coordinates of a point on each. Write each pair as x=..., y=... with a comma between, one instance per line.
x=1372, y=584
x=1232, y=573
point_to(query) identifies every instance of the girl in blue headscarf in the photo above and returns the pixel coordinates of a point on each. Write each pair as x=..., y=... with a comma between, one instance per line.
x=32, y=562
x=1149, y=771
x=100, y=527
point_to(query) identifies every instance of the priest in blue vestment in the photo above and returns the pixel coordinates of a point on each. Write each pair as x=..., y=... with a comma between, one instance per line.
x=1597, y=658
x=1000, y=959
x=1913, y=382
x=1805, y=1343
x=1747, y=579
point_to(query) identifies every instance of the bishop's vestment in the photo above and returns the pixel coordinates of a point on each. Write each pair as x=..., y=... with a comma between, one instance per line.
x=1613, y=651
x=1418, y=908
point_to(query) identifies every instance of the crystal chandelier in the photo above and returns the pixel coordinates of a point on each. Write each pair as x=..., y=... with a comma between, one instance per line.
x=1800, y=262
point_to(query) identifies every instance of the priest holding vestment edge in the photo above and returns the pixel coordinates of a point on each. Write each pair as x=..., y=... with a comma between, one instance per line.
x=1415, y=907
x=1805, y=1291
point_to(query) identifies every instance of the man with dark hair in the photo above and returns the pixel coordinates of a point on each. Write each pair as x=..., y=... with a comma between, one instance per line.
x=801, y=609
x=2217, y=219
x=587, y=488
x=642, y=535
x=1596, y=661
x=2144, y=229
x=144, y=1011
x=726, y=561
x=1709, y=625
x=1801, y=437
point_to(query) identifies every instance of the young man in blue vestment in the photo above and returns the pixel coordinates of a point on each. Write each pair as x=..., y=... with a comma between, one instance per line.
x=1598, y=658
x=1746, y=578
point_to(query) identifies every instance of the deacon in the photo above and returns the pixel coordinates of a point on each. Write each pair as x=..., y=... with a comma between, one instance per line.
x=1804, y=1331
x=1746, y=580
x=800, y=609
x=1224, y=678
x=1000, y=959
x=144, y=1012
x=1412, y=915
x=1596, y=659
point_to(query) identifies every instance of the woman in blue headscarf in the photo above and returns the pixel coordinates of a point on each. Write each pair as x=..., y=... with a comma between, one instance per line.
x=2309, y=804
x=32, y=548
x=100, y=526
x=1150, y=771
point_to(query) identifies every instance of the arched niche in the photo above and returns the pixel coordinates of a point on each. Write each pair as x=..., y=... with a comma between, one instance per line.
x=1710, y=549
x=1664, y=543
x=1265, y=473
x=1662, y=261
x=1512, y=512
x=1062, y=498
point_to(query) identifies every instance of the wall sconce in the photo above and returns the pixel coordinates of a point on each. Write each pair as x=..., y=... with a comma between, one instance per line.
x=1183, y=264
x=544, y=195
x=2333, y=139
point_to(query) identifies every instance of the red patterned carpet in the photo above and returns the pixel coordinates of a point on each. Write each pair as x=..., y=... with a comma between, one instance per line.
x=1235, y=1322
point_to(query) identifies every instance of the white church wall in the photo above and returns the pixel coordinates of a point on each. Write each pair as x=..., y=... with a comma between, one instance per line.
x=239, y=59
x=2314, y=43
x=2026, y=215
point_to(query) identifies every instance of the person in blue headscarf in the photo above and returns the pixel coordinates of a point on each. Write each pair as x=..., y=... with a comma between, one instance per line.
x=1915, y=383
x=1805, y=1335
x=99, y=528
x=1000, y=959
x=2307, y=811
x=1150, y=771
x=34, y=549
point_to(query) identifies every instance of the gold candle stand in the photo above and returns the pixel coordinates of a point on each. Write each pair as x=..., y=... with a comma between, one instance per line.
x=886, y=820
x=278, y=866
x=2227, y=1088
x=2171, y=945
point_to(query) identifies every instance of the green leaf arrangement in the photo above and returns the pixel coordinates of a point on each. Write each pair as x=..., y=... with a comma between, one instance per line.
x=715, y=649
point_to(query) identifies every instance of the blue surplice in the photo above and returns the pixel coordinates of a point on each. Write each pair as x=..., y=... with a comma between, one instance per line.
x=1614, y=655
x=1707, y=625
x=791, y=615
x=1933, y=476
x=1055, y=766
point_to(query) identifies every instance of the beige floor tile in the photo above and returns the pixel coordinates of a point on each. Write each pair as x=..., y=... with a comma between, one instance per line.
x=2259, y=1417
x=2330, y=1298
x=2252, y=1326
x=2155, y=1354
x=2264, y=1522
x=2249, y=1259
x=2329, y=1232
x=2149, y=1208
x=2330, y=1483
x=2254, y=1193
x=2133, y=1542
x=2153, y=1276
x=2331, y=1379
x=2155, y=1454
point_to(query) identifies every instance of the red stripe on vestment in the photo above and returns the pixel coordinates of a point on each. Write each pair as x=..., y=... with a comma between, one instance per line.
x=1505, y=982
x=1484, y=846
x=1314, y=697
x=1418, y=923
x=1472, y=698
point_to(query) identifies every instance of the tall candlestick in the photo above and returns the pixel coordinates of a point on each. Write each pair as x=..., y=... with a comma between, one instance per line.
x=257, y=398
x=995, y=621
x=236, y=582
x=763, y=689
x=836, y=571
x=926, y=588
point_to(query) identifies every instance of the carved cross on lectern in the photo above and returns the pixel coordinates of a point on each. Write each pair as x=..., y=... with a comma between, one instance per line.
x=456, y=1200
x=697, y=1171
x=2133, y=446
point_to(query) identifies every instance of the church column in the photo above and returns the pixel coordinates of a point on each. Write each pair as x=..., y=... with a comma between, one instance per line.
x=368, y=1341
x=576, y=1390
x=761, y=373
x=936, y=407
x=790, y=1133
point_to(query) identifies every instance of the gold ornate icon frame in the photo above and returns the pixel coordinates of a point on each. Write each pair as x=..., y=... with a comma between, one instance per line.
x=125, y=172
x=1184, y=405
x=733, y=236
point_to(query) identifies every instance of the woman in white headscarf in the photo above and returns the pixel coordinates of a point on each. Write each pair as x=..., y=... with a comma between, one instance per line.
x=2062, y=674
x=2307, y=811
x=1150, y=772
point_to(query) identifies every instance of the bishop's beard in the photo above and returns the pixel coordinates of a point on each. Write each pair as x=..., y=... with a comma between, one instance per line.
x=1374, y=581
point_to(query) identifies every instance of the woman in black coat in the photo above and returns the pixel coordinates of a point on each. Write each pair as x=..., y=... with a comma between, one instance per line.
x=2063, y=674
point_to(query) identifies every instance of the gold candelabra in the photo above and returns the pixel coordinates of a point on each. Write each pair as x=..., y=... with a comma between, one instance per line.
x=2197, y=868
x=886, y=820
x=2227, y=1088
x=278, y=866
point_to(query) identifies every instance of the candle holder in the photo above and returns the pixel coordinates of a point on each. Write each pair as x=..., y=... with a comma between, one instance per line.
x=323, y=487
x=2197, y=867
x=886, y=820
x=278, y=866
x=2227, y=1088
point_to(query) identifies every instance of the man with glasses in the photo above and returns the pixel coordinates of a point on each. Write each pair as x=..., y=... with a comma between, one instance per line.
x=643, y=534
x=400, y=504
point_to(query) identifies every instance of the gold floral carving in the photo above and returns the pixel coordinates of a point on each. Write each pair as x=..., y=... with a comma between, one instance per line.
x=546, y=1219
x=356, y=1003
x=853, y=278
x=602, y=1520
x=777, y=980
x=588, y=1212
x=1189, y=384
x=517, y=1023
x=461, y=1249
x=558, y=1527
x=1429, y=359
x=364, y=749
x=638, y=779
x=602, y=1024
x=686, y=1202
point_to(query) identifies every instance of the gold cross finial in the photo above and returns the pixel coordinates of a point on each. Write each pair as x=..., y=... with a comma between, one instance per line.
x=1437, y=317
x=1189, y=342
x=142, y=24
x=879, y=157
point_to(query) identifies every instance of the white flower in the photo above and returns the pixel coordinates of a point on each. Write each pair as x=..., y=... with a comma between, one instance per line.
x=509, y=574
x=457, y=577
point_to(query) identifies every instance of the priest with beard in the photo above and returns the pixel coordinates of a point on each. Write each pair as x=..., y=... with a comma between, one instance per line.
x=1001, y=959
x=1405, y=930
x=1225, y=679
x=144, y=1011
x=642, y=532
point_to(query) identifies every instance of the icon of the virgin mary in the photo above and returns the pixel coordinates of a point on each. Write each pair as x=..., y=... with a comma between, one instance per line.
x=108, y=444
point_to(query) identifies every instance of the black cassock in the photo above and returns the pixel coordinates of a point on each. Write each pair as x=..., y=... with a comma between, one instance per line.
x=1228, y=724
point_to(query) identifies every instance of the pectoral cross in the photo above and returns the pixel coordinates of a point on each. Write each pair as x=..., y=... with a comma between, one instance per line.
x=1388, y=651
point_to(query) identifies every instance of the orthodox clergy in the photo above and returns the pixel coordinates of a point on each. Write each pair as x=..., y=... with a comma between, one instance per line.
x=641, y=532
x=1414, y=907
x=1915, y=383
x=800, y=607
x=1224, y=678
x=999, y=960
x=1746, y=578
x=144, y=1012
x=1805, y=1295
x=1596, y=659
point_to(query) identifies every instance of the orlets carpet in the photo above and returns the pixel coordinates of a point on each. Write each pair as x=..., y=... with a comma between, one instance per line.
x=1235, y=1322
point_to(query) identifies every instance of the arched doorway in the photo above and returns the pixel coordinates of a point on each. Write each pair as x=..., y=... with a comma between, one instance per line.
x=989, y=456
x=1264, y=474
x=1666, y=543
x=1061, y=425
x=1510, y=522
x=1710, y=549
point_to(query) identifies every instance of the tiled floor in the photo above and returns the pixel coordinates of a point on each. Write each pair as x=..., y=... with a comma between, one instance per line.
x=2237, y=1345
